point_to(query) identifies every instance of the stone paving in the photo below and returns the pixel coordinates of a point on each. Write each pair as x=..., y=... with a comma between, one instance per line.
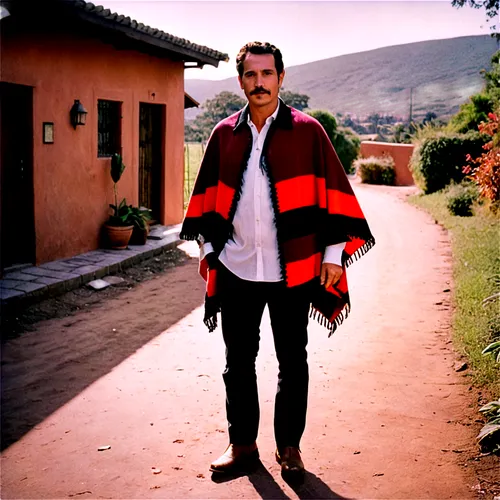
x=53, y=278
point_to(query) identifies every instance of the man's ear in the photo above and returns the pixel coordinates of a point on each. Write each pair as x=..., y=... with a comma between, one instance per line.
x=240, y=82
x=280, y=78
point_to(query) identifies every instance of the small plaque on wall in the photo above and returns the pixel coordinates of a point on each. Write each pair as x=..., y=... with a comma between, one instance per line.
x=48, y=132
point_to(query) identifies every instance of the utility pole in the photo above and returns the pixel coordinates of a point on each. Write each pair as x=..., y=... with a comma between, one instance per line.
x=411, y=106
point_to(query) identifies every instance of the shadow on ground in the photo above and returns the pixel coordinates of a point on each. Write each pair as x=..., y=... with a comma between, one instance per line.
x=312, y=487
x=55, y=359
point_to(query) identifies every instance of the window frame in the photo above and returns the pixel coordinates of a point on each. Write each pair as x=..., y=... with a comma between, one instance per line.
x=112, y=124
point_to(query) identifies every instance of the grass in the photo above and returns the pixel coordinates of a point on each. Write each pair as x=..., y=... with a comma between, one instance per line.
x=193, y=153
x=476, y=270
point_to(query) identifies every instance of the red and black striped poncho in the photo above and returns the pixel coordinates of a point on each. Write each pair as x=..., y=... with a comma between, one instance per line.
x=313, y=201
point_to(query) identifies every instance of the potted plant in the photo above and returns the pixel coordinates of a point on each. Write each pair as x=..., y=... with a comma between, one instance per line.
x=118, y=228
x=140, y=218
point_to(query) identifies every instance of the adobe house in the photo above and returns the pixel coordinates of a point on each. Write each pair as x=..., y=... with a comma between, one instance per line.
x=77, y=84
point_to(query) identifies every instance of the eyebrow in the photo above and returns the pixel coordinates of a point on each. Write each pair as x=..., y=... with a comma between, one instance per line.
x=271, y=70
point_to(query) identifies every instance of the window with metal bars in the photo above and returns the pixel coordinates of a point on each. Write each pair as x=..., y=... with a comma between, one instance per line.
x=108, y=129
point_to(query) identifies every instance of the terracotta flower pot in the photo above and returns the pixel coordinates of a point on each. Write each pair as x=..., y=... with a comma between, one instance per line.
x=118, y=236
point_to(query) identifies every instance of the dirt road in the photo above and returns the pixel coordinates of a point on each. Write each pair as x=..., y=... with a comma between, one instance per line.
x=141, y=374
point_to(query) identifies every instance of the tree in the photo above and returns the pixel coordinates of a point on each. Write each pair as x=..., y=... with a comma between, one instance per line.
x=486, y=173
x=347, y=121
x=298, y=101
x=374, y=118
x=429, y=117
x=401, y=134
x=347, y=145
x=472, y=113
x=327, y=120
x=345, y=142
x=492, y=79
x=221, y=106
x=491, y=7
x=388, y=119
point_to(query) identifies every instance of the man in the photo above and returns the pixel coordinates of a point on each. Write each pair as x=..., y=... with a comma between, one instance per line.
x=277, y=223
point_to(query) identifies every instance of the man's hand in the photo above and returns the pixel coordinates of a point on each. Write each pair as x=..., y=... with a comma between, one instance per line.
x=330, y=274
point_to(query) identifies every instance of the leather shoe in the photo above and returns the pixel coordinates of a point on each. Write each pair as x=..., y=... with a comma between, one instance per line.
x=237, y=457
x=290, y=461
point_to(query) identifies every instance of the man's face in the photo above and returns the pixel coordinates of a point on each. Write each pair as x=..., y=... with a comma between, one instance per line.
x=260, y=81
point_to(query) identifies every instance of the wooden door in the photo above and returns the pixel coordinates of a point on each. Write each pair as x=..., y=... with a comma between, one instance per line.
x=151, y=158
x=17, y=228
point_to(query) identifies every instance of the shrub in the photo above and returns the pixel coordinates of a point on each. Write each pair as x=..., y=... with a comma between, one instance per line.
x=374, y=170
x=439, y=160
x=429, y=130
x=486, y=173
x=345, y=142
x=476, y=110
x=347, y=146
x=471, y=114
x=326, y=119
x=460, y=198
x=489, y=437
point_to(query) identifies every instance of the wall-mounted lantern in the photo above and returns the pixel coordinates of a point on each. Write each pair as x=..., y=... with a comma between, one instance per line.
x=78, y=114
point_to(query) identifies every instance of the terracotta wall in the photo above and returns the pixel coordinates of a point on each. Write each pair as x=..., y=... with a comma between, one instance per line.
x=72, y=185
x=401, y=153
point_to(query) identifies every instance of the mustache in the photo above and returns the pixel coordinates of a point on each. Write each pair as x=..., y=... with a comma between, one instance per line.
x=260, y=90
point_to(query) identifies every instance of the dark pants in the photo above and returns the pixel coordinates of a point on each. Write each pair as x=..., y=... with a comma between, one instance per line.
x=242, y=305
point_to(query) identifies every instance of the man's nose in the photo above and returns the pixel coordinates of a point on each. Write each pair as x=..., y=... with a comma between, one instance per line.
x=258, y=80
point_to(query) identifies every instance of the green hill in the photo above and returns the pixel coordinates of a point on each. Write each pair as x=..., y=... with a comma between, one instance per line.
x=442, y=73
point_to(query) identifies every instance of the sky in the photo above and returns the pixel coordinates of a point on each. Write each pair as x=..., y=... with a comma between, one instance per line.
x=305, y=31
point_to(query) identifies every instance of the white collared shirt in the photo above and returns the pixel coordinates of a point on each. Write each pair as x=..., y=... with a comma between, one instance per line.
x=252, y=253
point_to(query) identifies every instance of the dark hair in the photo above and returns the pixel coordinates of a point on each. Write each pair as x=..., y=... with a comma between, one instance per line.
x=259, y=48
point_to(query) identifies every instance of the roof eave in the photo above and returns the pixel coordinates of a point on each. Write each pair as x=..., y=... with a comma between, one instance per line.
x=188, y=55
x=190, y=102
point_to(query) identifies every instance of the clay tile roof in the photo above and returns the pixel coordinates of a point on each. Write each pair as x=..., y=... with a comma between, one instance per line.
x=192, y=52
